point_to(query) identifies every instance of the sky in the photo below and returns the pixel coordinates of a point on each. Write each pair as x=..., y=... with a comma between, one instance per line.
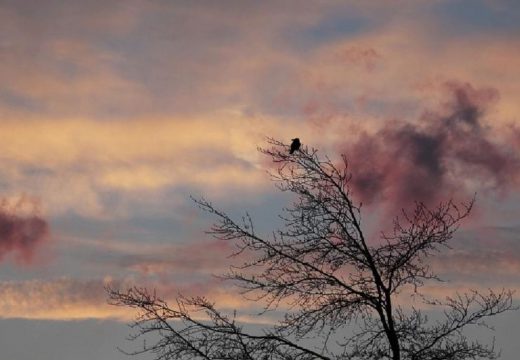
x=112, y=113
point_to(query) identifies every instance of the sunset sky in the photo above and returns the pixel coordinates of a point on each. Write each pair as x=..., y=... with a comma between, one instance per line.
x=112, y=113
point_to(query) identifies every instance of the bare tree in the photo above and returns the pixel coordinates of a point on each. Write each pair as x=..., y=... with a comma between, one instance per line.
x=328, y=277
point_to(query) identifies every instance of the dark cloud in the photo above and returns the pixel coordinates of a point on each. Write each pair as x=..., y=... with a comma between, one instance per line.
x=444, y=155
x=21, y=233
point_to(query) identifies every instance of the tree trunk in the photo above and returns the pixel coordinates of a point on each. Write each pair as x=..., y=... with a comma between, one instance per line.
x=394, y=345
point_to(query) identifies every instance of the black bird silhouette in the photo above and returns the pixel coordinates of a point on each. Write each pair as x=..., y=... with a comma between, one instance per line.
x=295, y=145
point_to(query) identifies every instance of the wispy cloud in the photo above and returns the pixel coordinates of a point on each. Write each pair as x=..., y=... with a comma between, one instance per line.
x=70, y=164
x=169, y=260
x=59, y=299
x=67, y=298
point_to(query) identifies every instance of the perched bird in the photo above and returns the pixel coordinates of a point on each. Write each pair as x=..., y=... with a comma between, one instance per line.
x=295, y=145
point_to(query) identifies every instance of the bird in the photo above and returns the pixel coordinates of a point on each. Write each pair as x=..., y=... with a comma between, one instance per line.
x=295, y=145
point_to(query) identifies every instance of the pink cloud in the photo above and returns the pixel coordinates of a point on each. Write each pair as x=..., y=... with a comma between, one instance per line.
x=21, y=233
x=450, y=152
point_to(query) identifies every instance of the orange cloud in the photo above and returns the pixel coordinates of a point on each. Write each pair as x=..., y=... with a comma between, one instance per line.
x=69, y=299
x=408, y=61
x=70, y=162
x=61, y=299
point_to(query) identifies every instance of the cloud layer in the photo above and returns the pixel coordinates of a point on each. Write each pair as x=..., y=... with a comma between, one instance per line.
x=114, y=111
x=68, y=298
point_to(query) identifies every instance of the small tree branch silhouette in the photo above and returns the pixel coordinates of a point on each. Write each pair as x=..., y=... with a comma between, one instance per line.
x=321, y=270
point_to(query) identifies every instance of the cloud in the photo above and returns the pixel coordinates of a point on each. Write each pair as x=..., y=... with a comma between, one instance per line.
x=58, y=299
x=75, y=299
x=405, y=71
x=21, y=233
x=485, y=254
x=450, y=151
x=69, y=76
x=444, y=290
x=73, y=164
x=68, y=299
x=194, y=258
x=359, y=56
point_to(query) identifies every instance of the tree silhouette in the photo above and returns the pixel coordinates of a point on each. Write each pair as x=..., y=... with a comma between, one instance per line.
x=322, y=270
